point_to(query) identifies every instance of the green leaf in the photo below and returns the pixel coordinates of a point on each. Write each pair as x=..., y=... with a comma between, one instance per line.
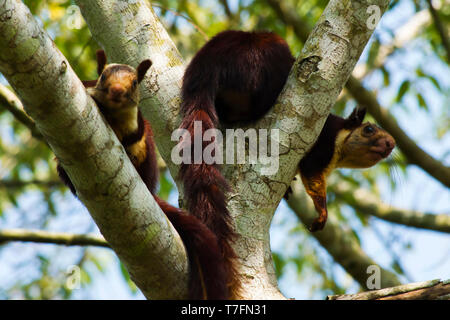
x=433, y=80
x=127, y=278
x=404, y=87
x=386, y=76
x=12, y=198
x=124, y=272
x=97, y=264
x=397, y=268
x=85, y=277
x=422, y=102
x=165, y=187
x=279, y=263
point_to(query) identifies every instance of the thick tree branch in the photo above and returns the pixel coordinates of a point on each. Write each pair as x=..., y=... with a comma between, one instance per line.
x=130, y=32
x=41, y=236
x=367, y=203
x=410, y=149
x=97, y=164
x=426, y=290
x=338, y=241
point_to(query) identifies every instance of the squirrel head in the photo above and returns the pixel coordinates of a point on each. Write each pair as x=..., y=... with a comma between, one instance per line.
x=362, y=145
x=117, y=85
x=343, y=143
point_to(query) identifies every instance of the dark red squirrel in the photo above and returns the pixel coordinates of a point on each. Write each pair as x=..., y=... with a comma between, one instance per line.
x=237, y=76
x=116, y=94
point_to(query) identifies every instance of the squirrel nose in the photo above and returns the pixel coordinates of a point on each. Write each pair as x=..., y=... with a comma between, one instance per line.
x=390, y=143
x=116, y=90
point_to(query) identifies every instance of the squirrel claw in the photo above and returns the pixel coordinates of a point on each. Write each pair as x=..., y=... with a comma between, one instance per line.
x=317, y=225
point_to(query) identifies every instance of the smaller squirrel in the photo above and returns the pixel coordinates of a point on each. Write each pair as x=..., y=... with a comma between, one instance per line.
x=116, y=94
x=342, y=143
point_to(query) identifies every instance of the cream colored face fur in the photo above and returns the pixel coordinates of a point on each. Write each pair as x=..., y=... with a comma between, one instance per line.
x=117, y=91
x=117, y=87
x=360, y=148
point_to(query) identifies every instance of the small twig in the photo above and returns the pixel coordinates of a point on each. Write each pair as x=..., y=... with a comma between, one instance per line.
x=40, y=236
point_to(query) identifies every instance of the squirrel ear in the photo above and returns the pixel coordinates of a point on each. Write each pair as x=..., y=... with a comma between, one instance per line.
x=142, y=69
x=101, y=61
x=357, y=116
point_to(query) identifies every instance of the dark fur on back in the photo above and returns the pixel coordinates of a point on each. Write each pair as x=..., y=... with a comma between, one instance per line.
x=236, y=76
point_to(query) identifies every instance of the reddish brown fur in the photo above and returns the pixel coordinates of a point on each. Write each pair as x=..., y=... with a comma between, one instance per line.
x=208, y=276
x=237, y=76
x=250, y=68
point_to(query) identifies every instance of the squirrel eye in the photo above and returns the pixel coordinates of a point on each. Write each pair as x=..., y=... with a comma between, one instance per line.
x=135, y=82
x=103, y=77
x=369, y=130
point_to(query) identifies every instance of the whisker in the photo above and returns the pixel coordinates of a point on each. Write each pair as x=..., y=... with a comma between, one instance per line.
x=396, y=175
